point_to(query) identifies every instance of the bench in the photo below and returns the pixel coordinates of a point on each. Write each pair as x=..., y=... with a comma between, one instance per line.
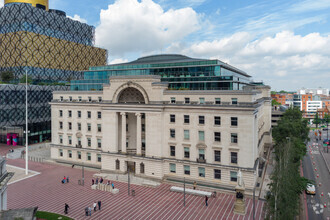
x=191, y=191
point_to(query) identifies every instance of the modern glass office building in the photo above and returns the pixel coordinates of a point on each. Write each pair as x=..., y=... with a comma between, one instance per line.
x=181, y=72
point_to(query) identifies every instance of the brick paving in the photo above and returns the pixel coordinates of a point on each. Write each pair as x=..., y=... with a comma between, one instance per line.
x=48, y=193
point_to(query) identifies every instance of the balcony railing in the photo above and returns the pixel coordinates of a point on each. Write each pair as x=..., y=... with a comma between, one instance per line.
x=200, y=160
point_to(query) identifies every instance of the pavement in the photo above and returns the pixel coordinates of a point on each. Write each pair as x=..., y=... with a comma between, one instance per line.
x=46, y=191
x=315, y=169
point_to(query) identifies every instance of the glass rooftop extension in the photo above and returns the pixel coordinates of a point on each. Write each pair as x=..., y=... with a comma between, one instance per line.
x=181, y=72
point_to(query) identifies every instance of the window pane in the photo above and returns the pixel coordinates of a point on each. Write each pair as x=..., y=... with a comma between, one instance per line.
x=186, y=135
x=172, y=168
x=217, y=174
x=201, y=172
x=233, y=176
x=186, y=169
x=201, y=135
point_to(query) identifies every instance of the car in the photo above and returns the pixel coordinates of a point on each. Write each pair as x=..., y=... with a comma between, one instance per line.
x=310, y=189
x=324, y=129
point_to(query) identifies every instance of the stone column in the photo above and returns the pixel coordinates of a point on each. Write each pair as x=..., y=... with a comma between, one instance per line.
x=138, y=133
x=123, y=132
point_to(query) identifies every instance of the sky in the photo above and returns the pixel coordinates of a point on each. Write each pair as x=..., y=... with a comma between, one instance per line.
x=284, y=43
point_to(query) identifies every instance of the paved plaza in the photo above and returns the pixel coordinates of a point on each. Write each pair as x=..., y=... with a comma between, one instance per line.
x=46, y=191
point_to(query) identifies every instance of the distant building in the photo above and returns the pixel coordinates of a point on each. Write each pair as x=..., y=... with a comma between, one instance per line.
x=319, y=91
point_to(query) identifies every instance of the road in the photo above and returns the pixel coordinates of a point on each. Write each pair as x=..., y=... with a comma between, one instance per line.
x=314, y=168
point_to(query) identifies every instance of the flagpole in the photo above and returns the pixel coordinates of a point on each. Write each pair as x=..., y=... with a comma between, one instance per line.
x=26, y=126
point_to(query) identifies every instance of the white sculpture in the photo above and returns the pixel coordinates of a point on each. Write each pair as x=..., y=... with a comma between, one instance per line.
x=240, y=178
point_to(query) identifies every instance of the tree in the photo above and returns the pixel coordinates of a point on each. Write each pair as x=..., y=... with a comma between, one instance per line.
x=317, y=120
x=7, y=76
x=23, y=79
x=286, y=183
x=274, y=102
x=327, y=121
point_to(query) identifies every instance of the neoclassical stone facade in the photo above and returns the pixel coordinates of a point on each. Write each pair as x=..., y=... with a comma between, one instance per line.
x=137, y=123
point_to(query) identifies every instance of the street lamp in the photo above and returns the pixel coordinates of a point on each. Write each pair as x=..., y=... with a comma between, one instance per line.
x=26, y=127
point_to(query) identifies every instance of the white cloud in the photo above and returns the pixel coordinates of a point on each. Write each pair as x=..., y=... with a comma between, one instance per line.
x=78, y=18
x=285, y=60
x=1, y=4
x=118, y=60
x=142, y=26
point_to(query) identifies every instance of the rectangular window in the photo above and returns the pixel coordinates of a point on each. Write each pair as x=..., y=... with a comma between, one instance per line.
x=172, y=118
x=217, y=101
x=89, y=156
x=201, y=119
x=79, y=126
x=217, y=120
x=186, y=119
x=99, y=143
x=233, y=157
x=234, y=138
x=233, y=176
x=201, y=100
x=99, y=115
x=79, y=141
x=70, y=140
x=172, y=168
x=217, y=174
x=201, y=171
x=79, y=155
x=99, y=128
x=186, y=152
x=70, y=125
x=234, y=101
x=79, y=99
x=100, y=99
x=217, y=136
x=61, y=139
x=61, y=113
x=186, y=100
x=143, y=127
x=201, y=154
x=99, y=158
x=61, y=98
x=79, y=114
x=172, y=133
x=89, y=142
x=172, y=151
x=186, y=169
x=186, y=134
x=89, y=98
x=172, y=100
x=217, y=156
x=60, y=152
x=89, y=127
x=61, y=125
x=234, y=121
x=201, y=136
x=70, y=98
x=89, y=114
x=70, y=153
x=117, y=164
x=70, y=113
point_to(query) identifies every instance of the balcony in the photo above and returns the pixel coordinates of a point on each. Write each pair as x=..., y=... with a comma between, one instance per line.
x=201, y=160
x=78, y=146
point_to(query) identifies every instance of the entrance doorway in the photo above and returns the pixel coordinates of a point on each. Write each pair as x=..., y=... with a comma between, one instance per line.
x=130, y=166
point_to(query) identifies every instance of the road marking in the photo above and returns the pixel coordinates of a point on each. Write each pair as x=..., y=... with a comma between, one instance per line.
x=318, y=209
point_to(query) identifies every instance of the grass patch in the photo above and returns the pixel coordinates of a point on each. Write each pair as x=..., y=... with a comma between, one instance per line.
x=50, y=216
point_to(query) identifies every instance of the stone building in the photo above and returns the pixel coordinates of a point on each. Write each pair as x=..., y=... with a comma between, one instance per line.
x=136, y=123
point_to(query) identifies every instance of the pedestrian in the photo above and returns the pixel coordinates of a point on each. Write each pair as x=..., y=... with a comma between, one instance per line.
x=97, y=181
x=94, y=206
x=67, y=179
x=99, y=204
x=108, y=183
x=113, y=185
x=101, y=180
x=72, y=165
x=66, y=207
x=64, y=179
x=92, y=182
x=206, y=198
x=195, y=184
x=89, y=211
x=86, y=211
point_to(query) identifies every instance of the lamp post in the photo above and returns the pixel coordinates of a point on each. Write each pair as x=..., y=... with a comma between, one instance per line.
x=26, y=127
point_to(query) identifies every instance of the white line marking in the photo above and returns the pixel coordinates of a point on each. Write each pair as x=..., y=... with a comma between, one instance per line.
x=20, y=168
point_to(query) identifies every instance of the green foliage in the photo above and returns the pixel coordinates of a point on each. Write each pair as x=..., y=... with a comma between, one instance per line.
x=50, y=216
x=286, y=183
x=23, y=79
x=283, y=91
x=274, y=102
x=326, y=118
x=7, y=76
x=273, y=92
x=317, y=120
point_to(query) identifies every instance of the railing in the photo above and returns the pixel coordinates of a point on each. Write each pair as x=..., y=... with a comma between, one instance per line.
x=78, y=146
x=200, y=160
x=131, y=151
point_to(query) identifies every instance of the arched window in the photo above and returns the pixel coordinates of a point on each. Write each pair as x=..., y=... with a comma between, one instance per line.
x=117, y=164
x=141, y=167
x=131, y=95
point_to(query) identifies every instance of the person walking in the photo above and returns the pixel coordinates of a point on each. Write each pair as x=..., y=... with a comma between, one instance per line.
x=66, y=207
x=113, y=185
x=101, y=180
x=92, y=182
x=97, y=181
x=195, y=184
x=99, y=204
x=206, y=199
x=67, y=179
x=89, y=211
x=86, y=211
x=64, y=179
x=94, y=206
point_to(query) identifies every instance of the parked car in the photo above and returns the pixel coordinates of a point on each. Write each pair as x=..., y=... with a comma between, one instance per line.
x=310, y=189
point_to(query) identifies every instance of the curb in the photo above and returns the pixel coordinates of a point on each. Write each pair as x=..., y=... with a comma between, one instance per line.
x=326, y=163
